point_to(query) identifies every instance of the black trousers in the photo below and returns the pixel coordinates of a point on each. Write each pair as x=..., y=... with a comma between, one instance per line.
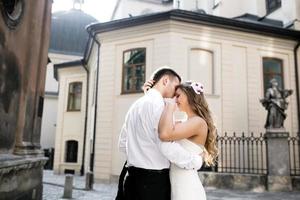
x=144, y=184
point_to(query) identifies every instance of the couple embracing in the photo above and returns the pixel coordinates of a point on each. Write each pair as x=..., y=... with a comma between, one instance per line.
x=162, y=156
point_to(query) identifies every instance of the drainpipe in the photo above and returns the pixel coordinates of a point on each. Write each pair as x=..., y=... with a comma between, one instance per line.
x=85, y=58
x=86, y=115
x=297, y=83
x=92, y=159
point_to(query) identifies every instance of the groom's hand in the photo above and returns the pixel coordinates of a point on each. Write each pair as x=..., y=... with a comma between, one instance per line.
x=204, y=154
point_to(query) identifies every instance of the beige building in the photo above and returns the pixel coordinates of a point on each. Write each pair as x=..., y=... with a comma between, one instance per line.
x=49, y=119
x=234, y=58
x=70, y=127
x=67, y=43
x=286, y=11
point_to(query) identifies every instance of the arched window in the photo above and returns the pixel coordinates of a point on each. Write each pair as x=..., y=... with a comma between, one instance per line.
x=134, y=64
x=71, y=151
x=74, y=97
x=201, y=68
x=272, y=68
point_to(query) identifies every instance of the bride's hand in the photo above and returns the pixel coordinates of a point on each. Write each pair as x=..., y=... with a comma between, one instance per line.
x=147, y=85
x=170, y=100
x=204, y=155
x=171, y=103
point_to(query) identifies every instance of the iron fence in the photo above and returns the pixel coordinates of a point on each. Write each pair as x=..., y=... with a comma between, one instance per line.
x=294, y=145
x=242, y=154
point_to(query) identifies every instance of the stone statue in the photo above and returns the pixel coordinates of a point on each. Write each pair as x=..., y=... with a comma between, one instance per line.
x=275, y=103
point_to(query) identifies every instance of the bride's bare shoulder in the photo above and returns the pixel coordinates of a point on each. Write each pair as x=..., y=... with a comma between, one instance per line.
x=199, y=123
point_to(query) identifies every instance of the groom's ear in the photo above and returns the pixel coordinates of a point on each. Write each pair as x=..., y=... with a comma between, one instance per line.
x=165, y=80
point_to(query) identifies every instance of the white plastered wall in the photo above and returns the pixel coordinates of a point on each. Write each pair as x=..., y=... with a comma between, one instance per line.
x=237, y=78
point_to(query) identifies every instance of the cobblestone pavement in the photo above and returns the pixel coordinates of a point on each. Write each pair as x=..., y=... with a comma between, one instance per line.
x=53, y=190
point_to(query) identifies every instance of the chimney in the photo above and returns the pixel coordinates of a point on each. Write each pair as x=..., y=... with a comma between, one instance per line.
x=194, y=5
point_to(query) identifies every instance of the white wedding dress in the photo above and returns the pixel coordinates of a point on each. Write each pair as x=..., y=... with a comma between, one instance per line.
x=185, y=184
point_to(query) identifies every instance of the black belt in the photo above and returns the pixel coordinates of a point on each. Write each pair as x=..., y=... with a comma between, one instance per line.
x=142, y=171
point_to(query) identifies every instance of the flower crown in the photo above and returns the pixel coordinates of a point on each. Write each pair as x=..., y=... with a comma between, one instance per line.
x=197, y=86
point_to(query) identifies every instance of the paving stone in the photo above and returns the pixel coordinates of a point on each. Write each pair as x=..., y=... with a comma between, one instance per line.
x=53, y=190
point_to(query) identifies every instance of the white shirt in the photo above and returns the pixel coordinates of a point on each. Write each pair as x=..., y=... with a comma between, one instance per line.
x=140, y=141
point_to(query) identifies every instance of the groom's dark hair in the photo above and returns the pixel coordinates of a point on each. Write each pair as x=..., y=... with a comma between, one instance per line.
x=157, y=75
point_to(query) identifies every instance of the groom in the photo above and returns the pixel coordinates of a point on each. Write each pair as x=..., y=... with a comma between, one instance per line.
x=148, y=158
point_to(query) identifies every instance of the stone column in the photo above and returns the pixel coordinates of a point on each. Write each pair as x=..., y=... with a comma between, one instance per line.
x=24, y=42
x=33, y=76
x=278, y=160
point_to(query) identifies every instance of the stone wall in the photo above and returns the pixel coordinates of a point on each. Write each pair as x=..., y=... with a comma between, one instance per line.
x=24, y=40
x=21, y=178
x=246, y=182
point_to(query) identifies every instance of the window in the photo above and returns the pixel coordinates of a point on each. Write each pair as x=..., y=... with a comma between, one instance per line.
x=71, y=151
x=272, y=68
x=74, y=98
x=272, y=5
x=201, y=68
x=134, y=62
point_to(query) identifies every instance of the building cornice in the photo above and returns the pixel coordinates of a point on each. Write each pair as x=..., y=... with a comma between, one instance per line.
x=196, y=18
x=58, y=66
x=51, y=94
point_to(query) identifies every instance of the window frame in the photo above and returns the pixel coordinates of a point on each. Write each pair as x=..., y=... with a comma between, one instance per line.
x=270, y=74
x=123, y=70
x=270, y=10
x=68, y=100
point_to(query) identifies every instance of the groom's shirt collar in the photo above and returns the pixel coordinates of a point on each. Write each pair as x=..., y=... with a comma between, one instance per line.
x=155, y=93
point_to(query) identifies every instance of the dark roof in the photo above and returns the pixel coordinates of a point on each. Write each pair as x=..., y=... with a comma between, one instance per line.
x=58, y=66
x=259, y=20
x=68, y=33
x=196, y=18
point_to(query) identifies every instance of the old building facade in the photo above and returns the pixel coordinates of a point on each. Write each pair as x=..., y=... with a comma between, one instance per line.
x=233, y=57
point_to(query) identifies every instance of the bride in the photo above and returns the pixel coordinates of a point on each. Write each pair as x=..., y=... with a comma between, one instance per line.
x=197, y=134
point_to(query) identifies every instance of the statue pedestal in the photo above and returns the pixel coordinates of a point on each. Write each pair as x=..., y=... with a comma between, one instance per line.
x=278, y=160
x=21, y=177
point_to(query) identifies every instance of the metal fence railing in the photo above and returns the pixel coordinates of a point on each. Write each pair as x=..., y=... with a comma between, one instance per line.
x=242, y=154
x=294, y=145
